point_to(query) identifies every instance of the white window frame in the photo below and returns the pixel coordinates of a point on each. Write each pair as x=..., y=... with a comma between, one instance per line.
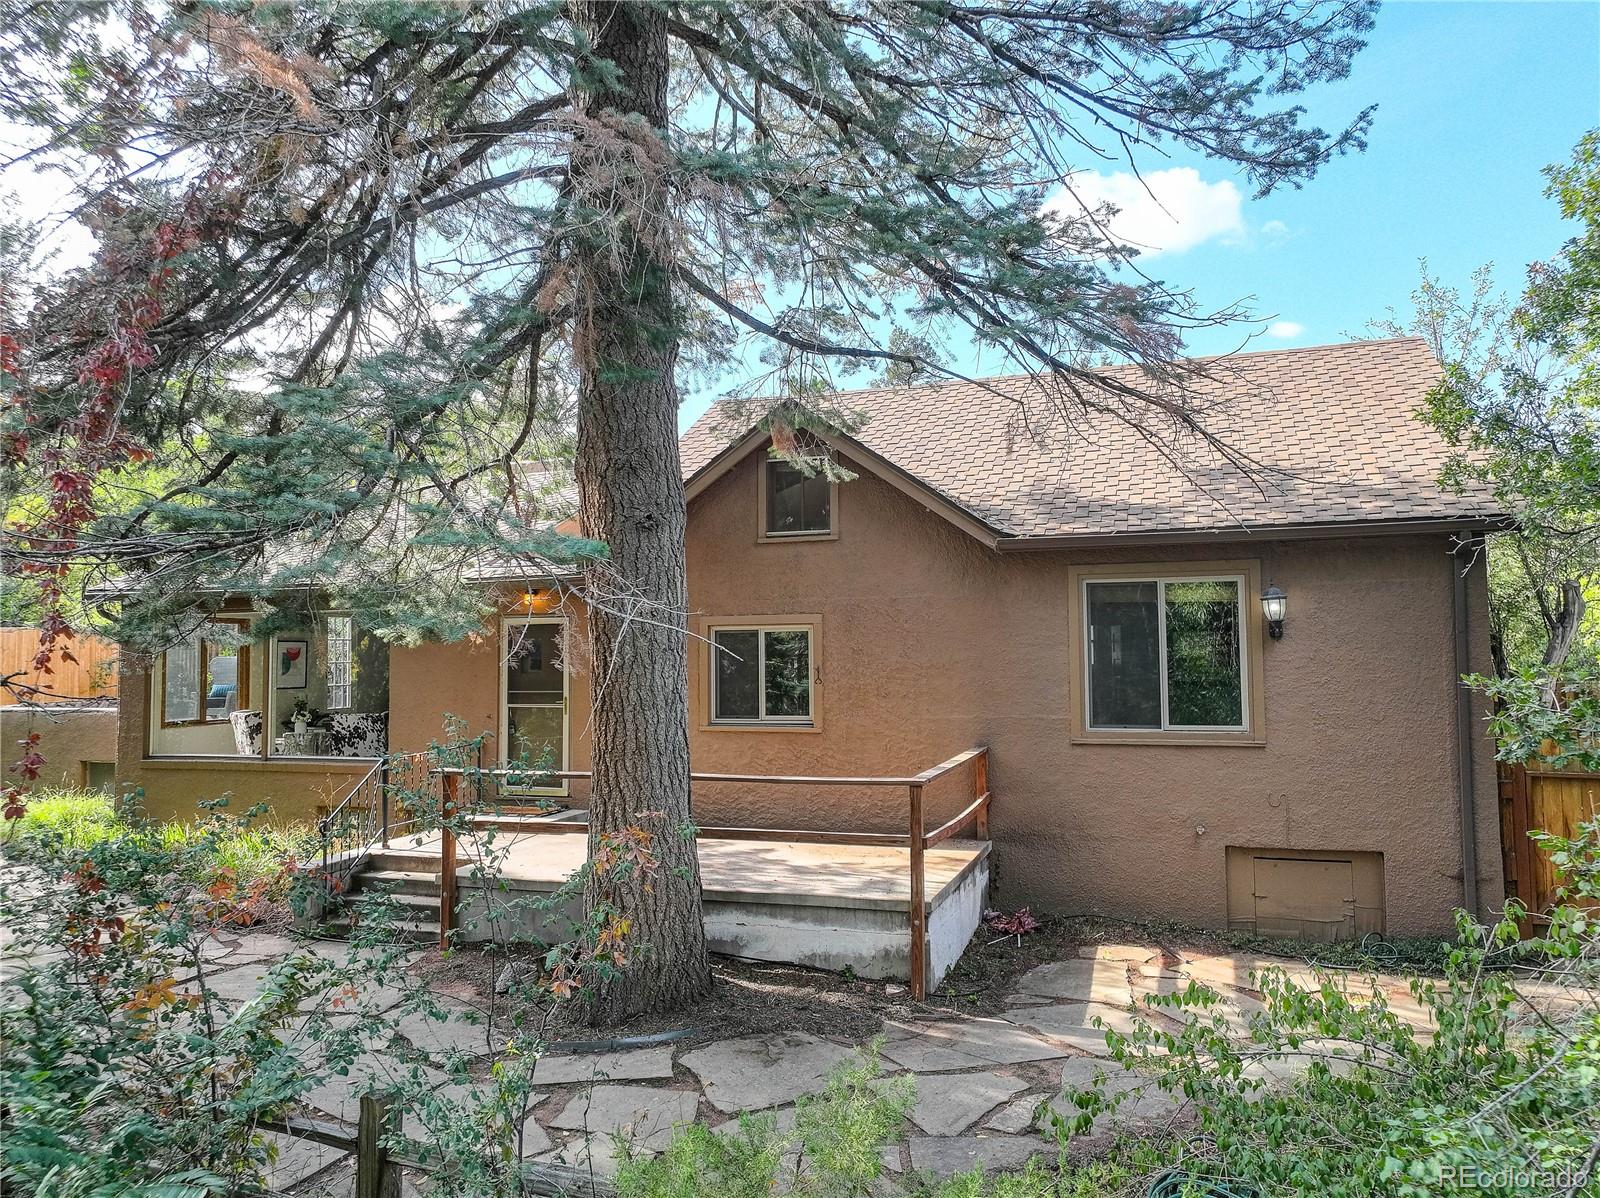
x=339, y=671
x=784, y=721
x=1161, y=582
x=507, y=625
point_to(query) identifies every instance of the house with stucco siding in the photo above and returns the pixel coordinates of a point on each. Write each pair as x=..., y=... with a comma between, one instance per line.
x=1217, y=679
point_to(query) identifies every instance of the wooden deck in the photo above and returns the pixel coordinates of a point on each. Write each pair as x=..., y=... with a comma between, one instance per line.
x=831, y=906
x=883, y=904
x=788, y=872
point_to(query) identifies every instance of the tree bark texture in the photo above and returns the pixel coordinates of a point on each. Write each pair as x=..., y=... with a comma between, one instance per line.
x=631, y=497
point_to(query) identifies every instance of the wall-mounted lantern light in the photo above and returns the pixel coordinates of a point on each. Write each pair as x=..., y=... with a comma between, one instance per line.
x=539, y=602
x=1274, y=606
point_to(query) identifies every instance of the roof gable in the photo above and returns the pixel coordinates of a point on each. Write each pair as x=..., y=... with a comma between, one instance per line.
x=1332, y=432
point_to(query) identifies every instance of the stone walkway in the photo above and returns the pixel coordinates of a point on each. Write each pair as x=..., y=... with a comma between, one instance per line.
x=978, y=1082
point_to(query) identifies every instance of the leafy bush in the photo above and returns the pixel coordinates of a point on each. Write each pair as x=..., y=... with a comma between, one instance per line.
x=61, y=822
x=1547, y=715
x=124, y=1072
x=834, y=1151
x=1333, y=1092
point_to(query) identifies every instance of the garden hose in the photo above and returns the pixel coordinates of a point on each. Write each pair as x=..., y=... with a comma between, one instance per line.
x=1180, y=1183
x=1183, y=1182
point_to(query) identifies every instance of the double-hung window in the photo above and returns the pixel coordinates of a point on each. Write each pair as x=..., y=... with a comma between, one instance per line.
x=761, y=675
x=1166, y=654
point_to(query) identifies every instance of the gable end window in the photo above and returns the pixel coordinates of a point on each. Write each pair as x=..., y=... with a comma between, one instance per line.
x=795, y=504
x=761, y=675
x=1166, y=654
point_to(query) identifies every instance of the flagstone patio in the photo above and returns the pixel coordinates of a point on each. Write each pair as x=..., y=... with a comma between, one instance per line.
x=983, y=1086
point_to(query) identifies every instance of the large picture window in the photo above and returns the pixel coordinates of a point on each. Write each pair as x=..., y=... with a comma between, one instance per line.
x=761, y=675
x=206, y=678
x=1165, y=654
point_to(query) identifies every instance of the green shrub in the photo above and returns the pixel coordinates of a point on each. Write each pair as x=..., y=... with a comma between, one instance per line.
x=834, y=1151
x=1332, y=1093
x=123, y=1072
x=62, y=822
x=74, y=819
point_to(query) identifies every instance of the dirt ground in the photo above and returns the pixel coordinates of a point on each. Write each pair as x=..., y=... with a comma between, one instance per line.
x=749, y=997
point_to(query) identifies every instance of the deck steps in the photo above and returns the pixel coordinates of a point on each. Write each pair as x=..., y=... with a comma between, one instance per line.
x=407, y=880
x=403, y=931
x=412, y=904
x=402, y=859
x=402, y=881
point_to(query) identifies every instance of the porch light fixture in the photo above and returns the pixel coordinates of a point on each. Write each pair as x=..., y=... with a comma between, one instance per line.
x=1274, y=606
x=539, y=602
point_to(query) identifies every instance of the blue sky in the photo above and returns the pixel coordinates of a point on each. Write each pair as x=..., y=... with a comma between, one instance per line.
x=1474, y=100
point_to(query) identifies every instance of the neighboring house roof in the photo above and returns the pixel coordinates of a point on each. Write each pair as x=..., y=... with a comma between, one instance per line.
x=1333, y=429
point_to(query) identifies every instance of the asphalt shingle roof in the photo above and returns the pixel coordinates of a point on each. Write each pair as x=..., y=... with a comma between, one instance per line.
x=1331, y=429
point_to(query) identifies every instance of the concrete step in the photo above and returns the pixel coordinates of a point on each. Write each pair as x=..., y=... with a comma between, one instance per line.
x=399, y=881
x=428, y=904
x=406, y=931
x=402, y=861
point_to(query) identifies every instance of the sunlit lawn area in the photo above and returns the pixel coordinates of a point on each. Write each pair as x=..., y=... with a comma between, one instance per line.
x=81, y=819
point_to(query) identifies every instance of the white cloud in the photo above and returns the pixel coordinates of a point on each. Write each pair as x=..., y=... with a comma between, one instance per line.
x=1285, y=330
x=1275, y=231
x=1163, y=212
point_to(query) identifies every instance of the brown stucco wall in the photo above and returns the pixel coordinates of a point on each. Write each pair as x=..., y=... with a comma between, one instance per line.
x=70, y=734
x=438, y=691
x=930, y=642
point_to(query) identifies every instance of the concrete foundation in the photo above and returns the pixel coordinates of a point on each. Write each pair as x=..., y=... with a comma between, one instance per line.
x=864, y=929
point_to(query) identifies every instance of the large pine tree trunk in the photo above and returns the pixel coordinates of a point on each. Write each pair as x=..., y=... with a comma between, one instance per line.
x=631, y=497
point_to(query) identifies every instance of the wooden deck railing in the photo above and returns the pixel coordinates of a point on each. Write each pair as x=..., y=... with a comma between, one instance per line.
x=917, y=839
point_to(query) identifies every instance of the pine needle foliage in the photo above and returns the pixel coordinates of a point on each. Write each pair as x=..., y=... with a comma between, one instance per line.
x=338, y=290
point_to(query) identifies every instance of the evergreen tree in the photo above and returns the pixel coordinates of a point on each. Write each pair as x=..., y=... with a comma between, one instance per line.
x=349, y=254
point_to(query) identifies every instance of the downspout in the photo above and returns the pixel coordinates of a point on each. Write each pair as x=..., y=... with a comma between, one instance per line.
x=1461, y=562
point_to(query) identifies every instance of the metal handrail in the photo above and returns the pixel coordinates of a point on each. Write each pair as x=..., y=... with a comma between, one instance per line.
x=363, y=818
x=348, y=809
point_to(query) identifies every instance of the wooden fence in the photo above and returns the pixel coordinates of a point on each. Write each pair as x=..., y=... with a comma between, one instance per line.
x=378, y=1163
x=1539, y=800
x=94, y=675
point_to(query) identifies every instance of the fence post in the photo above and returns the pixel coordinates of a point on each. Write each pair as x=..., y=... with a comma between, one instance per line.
x=918, y=909
x=447, y=858
x=375, y=1176
x=980, y=787
x=383, y=799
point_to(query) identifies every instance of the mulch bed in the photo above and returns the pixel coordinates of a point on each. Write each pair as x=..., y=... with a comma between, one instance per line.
x=750, y=997
x=746, y=998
